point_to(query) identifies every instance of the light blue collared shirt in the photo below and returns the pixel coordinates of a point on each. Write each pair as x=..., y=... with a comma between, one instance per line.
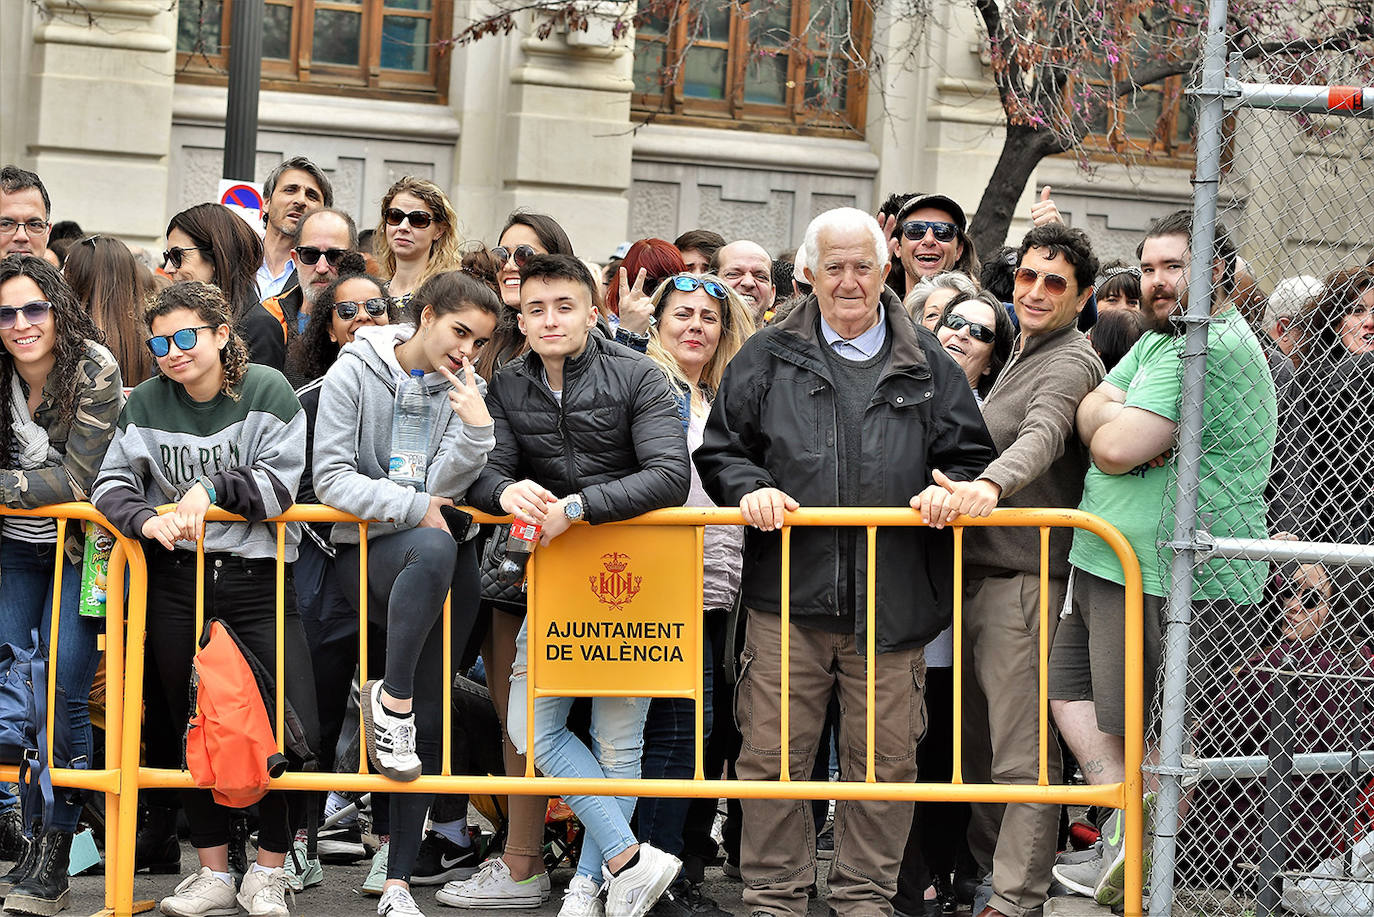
x=864, y=347
x=268, y=285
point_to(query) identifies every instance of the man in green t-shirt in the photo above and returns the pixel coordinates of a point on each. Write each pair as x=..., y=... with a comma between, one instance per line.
x=1129, y=423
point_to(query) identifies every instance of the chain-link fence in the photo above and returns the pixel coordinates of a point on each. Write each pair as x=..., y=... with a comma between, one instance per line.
x=1267, y=755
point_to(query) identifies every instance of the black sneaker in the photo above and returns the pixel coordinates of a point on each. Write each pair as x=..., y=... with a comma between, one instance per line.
x=12, y=842
x=44, y=891
x=440, y=860
x=684, y=899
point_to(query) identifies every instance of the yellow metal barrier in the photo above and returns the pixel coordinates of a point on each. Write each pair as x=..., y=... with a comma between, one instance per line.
x=107, y=779
x=559, y=571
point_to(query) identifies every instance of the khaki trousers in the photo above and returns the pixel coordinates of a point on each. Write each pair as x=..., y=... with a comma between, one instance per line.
x=778, y=846
x=1001, y=651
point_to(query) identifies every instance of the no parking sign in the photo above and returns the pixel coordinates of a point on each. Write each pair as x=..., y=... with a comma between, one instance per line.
x=243, y=198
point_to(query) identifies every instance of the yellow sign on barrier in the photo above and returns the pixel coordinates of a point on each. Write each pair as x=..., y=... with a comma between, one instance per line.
x=616, y=607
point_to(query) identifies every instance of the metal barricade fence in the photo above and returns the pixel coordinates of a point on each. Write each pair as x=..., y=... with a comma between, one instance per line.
x=107, y=779
x=549, y=581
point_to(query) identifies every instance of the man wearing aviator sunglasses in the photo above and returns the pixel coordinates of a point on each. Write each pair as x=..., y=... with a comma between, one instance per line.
x=321, y=240
x=1030, y=413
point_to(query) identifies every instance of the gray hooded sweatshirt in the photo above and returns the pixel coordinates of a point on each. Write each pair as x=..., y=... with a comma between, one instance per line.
x=353, y=438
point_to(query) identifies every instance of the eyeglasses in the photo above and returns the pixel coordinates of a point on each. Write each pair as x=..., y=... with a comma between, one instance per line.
x=1055, y=284
x=394, y=216
x=688, y=283
x=956, y=322
x=348, y=309
x=310, y=255
x=174, y=256
x=35, y=313
x=521, y=254
x=185, y=339
x=34, y=227
x=916, y=229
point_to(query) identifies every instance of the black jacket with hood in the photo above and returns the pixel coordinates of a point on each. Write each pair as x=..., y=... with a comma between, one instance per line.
x=774, y=424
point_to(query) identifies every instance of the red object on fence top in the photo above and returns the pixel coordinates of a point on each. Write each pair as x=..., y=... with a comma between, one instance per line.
x=1345, y=98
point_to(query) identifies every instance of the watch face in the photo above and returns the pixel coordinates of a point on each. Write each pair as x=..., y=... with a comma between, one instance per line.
x=573, y=509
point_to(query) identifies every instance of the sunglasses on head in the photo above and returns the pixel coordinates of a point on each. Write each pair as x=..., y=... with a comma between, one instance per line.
x=521, y=254
x=348, y=309
x=688, y=283
x=174, y=255
x=394, y=216
x=956, y=322
x=1055, y=284
x=185, y=339
x=35, y=313
x=310, y=255
x=916, y=229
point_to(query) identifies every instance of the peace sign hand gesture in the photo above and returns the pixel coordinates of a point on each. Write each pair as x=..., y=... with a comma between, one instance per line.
x=466, y=398
x=636, y=306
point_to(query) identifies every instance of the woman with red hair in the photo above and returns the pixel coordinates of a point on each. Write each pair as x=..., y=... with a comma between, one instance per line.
x=628, y=305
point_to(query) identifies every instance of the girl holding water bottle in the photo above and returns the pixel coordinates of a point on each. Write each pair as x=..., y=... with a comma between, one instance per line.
x=401, y=433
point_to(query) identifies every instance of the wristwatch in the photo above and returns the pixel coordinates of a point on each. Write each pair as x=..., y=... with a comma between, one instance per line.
x=573, y=508
x=204, y=481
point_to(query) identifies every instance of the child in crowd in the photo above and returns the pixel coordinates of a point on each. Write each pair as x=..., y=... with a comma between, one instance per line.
x=213, y=430
x=413, y=559
x=597, y=422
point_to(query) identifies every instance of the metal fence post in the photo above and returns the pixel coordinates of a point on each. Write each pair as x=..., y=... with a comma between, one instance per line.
x=1178, y=613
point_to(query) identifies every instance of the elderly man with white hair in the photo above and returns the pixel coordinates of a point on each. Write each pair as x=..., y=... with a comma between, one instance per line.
x=1281, y=335
x=844, y=402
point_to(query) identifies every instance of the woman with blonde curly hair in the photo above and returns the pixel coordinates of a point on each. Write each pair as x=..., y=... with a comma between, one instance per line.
x=417, y=236
x=213, y=429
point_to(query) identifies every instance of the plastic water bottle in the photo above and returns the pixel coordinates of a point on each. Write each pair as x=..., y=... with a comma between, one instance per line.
x=519, y=546
x=410, y=428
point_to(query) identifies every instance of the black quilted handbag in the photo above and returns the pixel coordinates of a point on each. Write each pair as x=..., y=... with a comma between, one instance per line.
x=510, y=598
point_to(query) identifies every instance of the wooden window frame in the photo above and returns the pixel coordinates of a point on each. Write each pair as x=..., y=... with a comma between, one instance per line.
x=299, y=73
x=1163, y=145
x=674, y=106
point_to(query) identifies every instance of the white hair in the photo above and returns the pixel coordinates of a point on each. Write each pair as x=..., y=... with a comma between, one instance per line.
x=841, y=219
x=1289, y=296
x=949, y=280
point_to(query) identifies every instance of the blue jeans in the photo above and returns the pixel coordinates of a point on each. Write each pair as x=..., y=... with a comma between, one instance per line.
x=26, y=580
x=669, y=753
x=617, y=731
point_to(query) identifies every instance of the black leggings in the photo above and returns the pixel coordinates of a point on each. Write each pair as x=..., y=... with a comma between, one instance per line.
x=242, y=593
x=417, y=567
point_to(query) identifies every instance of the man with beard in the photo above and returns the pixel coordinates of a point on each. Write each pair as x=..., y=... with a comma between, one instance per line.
x=295, y=186
x=321, y=239
x=1128, y=424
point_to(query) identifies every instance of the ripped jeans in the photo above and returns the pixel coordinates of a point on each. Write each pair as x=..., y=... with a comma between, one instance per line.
x=617, y=733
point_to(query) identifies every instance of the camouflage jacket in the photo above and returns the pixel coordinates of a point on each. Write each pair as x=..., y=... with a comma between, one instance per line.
x=81, y=441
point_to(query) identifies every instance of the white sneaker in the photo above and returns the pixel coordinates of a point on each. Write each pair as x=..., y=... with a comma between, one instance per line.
x=375, y=882
x=638, y=887
x=263, y=893
x=201, y=895
x=390, y=739
x=396, y=902
x=492, y=887
x=582, y=899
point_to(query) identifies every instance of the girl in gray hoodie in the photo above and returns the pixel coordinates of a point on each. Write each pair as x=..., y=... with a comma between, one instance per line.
x=413, y=562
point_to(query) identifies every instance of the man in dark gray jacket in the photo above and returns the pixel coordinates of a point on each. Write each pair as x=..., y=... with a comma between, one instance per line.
x=1030, y=413
x=843, y=403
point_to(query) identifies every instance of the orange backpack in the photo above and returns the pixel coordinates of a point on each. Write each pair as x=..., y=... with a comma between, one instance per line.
x=230, y=746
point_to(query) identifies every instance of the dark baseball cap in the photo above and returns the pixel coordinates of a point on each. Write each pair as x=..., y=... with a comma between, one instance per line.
x=916, y=202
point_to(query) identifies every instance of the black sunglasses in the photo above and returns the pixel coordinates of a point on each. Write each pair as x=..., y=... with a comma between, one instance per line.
x=394, y=216
x=916, y=229
x=956, y=322
x=185, y=339
x=348, y=309
x=521, y=254
x=35, y=313
x=687, y=283
x=174, y=255
x=1055, y=284
x=310, y=255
